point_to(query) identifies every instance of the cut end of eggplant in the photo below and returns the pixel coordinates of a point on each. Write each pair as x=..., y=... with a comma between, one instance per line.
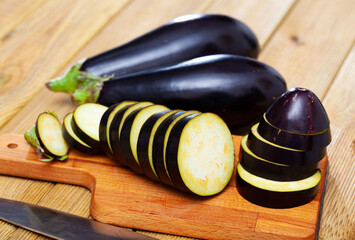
x=298, y=111
x=205, y=154
x=49, y=133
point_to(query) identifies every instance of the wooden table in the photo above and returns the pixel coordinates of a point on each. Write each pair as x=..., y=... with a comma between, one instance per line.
x=311, y=43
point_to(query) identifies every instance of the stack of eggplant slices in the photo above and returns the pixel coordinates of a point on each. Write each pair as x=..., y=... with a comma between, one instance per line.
x=279, y=158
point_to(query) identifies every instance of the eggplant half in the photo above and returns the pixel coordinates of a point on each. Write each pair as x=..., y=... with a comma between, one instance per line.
x=271, y=170
x=276, y=194
x=160, y=141
x=279, y=154
x=46, y=136
x=145, y=142
x=236, y=88
x=184, y=38
x=73, y=140
x=116, y=127
x=200, y=154
x=130, y=133
x=86, y=123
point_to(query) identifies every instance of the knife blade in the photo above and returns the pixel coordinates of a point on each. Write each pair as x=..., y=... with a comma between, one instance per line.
x=61, y=225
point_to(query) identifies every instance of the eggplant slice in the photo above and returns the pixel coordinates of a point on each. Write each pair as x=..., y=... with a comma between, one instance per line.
x=49, y=134
x=86, y=123
x=271, y=170
x=276, y=194
x=73, y=140
x=200, y=154
x=145, y=142
x=130, y=133
x=279, y=154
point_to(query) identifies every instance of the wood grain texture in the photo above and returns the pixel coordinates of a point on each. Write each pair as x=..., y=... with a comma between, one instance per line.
x=45, y=41
x=124, y=198
x=311, y=44
x=262, y=17
x=338, y=221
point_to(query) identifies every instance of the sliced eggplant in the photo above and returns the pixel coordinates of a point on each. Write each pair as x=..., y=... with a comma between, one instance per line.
x=298, y=111
x=86, y=122
x=276, y=194
x=200, y=154
x=130, y=132
x=46, y=135
x=116, y=127
x=73, y=140
x=294, y=140
x=279, y=154
x=105, y=124
x=145, y=142
x=159, y=144
x=271, y=170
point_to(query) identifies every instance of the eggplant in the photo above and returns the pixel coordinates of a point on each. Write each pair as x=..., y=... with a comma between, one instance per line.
x=200, y=154
x=298, y=111
x=73, y=140
x=130, y=133
x=105, y=124
x=145, y=142
x=306, y=142
x=276, y=194
x=116, y=128
x=86, y=122
x=279, y=154
x=271, y=170
x=183, y=38
x=159, y=144
x=236, y=88
x=46, y=136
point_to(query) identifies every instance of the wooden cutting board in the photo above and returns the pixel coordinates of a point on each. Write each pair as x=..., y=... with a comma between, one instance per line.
x=126, y=199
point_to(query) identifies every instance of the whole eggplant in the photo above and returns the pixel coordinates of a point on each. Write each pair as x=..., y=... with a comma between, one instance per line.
x=238, y=89
x=182, y=39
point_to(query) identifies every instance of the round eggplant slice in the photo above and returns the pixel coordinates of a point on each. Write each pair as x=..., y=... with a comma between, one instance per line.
x=105, y=124
x=294, y=140
x=276, y=194
x=49, y=134
x=200, y=154
x=86, y=122
x=73, y=140
x=278, y=154
x=130, y=132
x=299, y=111
x=145, y=142
x=116, y=126
x=160, y=142
x=270, y=170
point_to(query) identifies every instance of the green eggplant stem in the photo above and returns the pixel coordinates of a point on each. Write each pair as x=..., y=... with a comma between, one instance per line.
x=84, y=87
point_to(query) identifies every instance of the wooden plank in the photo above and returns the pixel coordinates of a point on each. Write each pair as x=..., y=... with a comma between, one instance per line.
x=338, y=220
x=310, y=45
x=263, y=17
x=46, y=40
x=154, y=206
x=13, y=13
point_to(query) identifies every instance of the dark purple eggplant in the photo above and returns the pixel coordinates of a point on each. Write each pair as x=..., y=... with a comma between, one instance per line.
x=184, y=38
x=298, y=111
x=236, y=88
x=274, y=194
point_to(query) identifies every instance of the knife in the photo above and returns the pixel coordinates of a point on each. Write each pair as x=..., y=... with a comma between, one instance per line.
x=61, y=225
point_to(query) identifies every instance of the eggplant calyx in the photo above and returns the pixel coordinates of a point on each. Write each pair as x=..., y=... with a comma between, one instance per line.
x=83, y=86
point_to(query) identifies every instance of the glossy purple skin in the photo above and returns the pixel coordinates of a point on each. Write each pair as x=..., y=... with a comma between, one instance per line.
x=299, y=111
